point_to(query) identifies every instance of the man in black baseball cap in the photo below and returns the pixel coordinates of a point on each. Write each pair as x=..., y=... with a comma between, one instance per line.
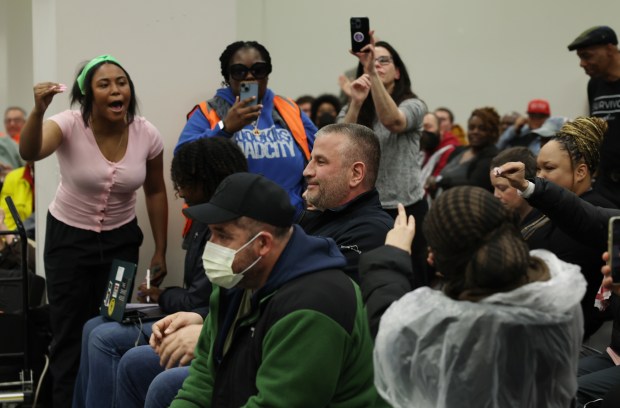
x=246, y=195
x=282, y=313
x=597, y=49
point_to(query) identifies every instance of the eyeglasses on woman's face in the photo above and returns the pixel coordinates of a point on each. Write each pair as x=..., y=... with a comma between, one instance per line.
x=383, y=60
x=259, y=70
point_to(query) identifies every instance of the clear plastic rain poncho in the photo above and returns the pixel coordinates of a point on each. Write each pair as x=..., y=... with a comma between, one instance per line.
x=511, y=349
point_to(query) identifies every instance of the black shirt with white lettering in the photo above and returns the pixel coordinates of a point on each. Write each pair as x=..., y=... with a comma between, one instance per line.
x=604, y=98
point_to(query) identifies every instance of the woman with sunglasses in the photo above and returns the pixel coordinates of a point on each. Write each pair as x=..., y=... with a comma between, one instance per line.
x=275, y=136
x=105, y=153
x=382, y=99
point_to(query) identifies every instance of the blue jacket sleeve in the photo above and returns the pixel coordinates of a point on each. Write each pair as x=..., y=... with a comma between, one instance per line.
x=506, y=138
x=198, y=126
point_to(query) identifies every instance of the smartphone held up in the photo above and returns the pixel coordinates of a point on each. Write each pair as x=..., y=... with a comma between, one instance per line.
x=360, y=29
x=614, y=248
x=248, y=90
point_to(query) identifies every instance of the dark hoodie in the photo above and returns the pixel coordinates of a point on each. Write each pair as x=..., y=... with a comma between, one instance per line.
x=305, y=341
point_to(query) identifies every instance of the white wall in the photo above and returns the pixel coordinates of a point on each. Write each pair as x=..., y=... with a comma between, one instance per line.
x=15, y=55
x=462, y=54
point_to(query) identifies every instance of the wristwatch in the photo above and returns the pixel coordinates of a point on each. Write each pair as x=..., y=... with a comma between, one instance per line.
x=220, y=124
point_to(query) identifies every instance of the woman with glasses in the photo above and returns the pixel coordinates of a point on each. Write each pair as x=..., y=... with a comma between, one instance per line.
x=469, y=165
x=274, y=135
x=382, y=99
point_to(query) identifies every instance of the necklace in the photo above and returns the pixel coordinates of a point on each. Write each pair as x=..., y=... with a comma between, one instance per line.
x=118, y=147
x=256, y=130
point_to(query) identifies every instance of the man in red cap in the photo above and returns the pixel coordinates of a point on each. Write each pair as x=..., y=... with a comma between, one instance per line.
x=520, y=134
x=597, y=49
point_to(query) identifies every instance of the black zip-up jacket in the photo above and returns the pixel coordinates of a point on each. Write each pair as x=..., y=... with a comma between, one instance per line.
x=583, y=222
x=357, y=227
x=386, y=274
x=194, y=297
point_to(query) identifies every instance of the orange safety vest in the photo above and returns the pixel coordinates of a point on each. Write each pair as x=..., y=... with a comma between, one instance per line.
x=286, y=107
x=289, y=111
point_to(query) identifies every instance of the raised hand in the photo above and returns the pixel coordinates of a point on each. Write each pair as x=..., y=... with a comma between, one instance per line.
x=367, y=55
x=44, y=92
x=401, y=236
x=360, y=88
x=514, y=172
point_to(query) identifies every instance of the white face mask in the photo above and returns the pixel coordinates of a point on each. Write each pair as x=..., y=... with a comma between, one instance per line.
x=217, y=261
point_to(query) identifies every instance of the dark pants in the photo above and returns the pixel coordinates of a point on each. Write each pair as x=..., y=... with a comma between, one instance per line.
x=77, y=266
x=418, y=246
x=596, y=376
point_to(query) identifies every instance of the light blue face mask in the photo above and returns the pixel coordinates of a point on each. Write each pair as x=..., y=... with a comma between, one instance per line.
x=217, y=261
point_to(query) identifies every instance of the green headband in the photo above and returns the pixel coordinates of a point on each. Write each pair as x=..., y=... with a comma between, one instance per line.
x=82, y=77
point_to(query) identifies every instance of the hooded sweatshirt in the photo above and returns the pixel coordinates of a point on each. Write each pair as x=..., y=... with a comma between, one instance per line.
x=274, y=153
x=304, y=343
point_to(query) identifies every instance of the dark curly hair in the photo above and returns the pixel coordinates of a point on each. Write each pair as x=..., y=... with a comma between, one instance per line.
x=206, y=161
x=490, y=119
x=236, y=46
x=325, y=98
x=86, y=100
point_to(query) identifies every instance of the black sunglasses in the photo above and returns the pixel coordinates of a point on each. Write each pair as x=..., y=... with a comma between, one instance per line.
x=259, y=70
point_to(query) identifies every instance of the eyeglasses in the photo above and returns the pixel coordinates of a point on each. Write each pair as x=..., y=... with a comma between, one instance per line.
x=383, y=60
x=259, y=70
x=16, y=120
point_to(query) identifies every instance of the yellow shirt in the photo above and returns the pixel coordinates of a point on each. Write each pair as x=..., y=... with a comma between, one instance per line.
x=20, y=191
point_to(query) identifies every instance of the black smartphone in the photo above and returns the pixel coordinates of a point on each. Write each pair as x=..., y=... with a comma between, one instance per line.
x=614, y=248
x=360, y=29
x=247, y=90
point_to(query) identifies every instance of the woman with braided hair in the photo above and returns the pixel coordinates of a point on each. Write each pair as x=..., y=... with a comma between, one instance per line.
x=570, y=159
x=505, y=330
x=273, y=133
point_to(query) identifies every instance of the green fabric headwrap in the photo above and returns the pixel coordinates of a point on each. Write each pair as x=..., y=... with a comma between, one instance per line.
x=89, y=66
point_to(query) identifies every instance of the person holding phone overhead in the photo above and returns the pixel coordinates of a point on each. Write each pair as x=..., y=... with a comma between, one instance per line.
x=275, y=136
x=105, y=153
x=382, y=99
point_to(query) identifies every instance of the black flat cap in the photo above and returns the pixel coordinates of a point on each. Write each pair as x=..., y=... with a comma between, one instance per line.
x=599, y=35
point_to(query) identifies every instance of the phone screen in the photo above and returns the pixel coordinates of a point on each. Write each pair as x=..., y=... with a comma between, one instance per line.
x=360, y=28
x=247, y=90
x=614, y=248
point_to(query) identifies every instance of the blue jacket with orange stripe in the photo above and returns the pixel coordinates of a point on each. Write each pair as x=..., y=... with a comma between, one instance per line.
x=281, y=150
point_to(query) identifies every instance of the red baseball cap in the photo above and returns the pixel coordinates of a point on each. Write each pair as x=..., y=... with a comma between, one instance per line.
x=540, y=106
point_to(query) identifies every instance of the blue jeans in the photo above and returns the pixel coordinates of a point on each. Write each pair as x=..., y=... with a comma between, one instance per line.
x=103, y=344
x=142, y=382
x=595, y=377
